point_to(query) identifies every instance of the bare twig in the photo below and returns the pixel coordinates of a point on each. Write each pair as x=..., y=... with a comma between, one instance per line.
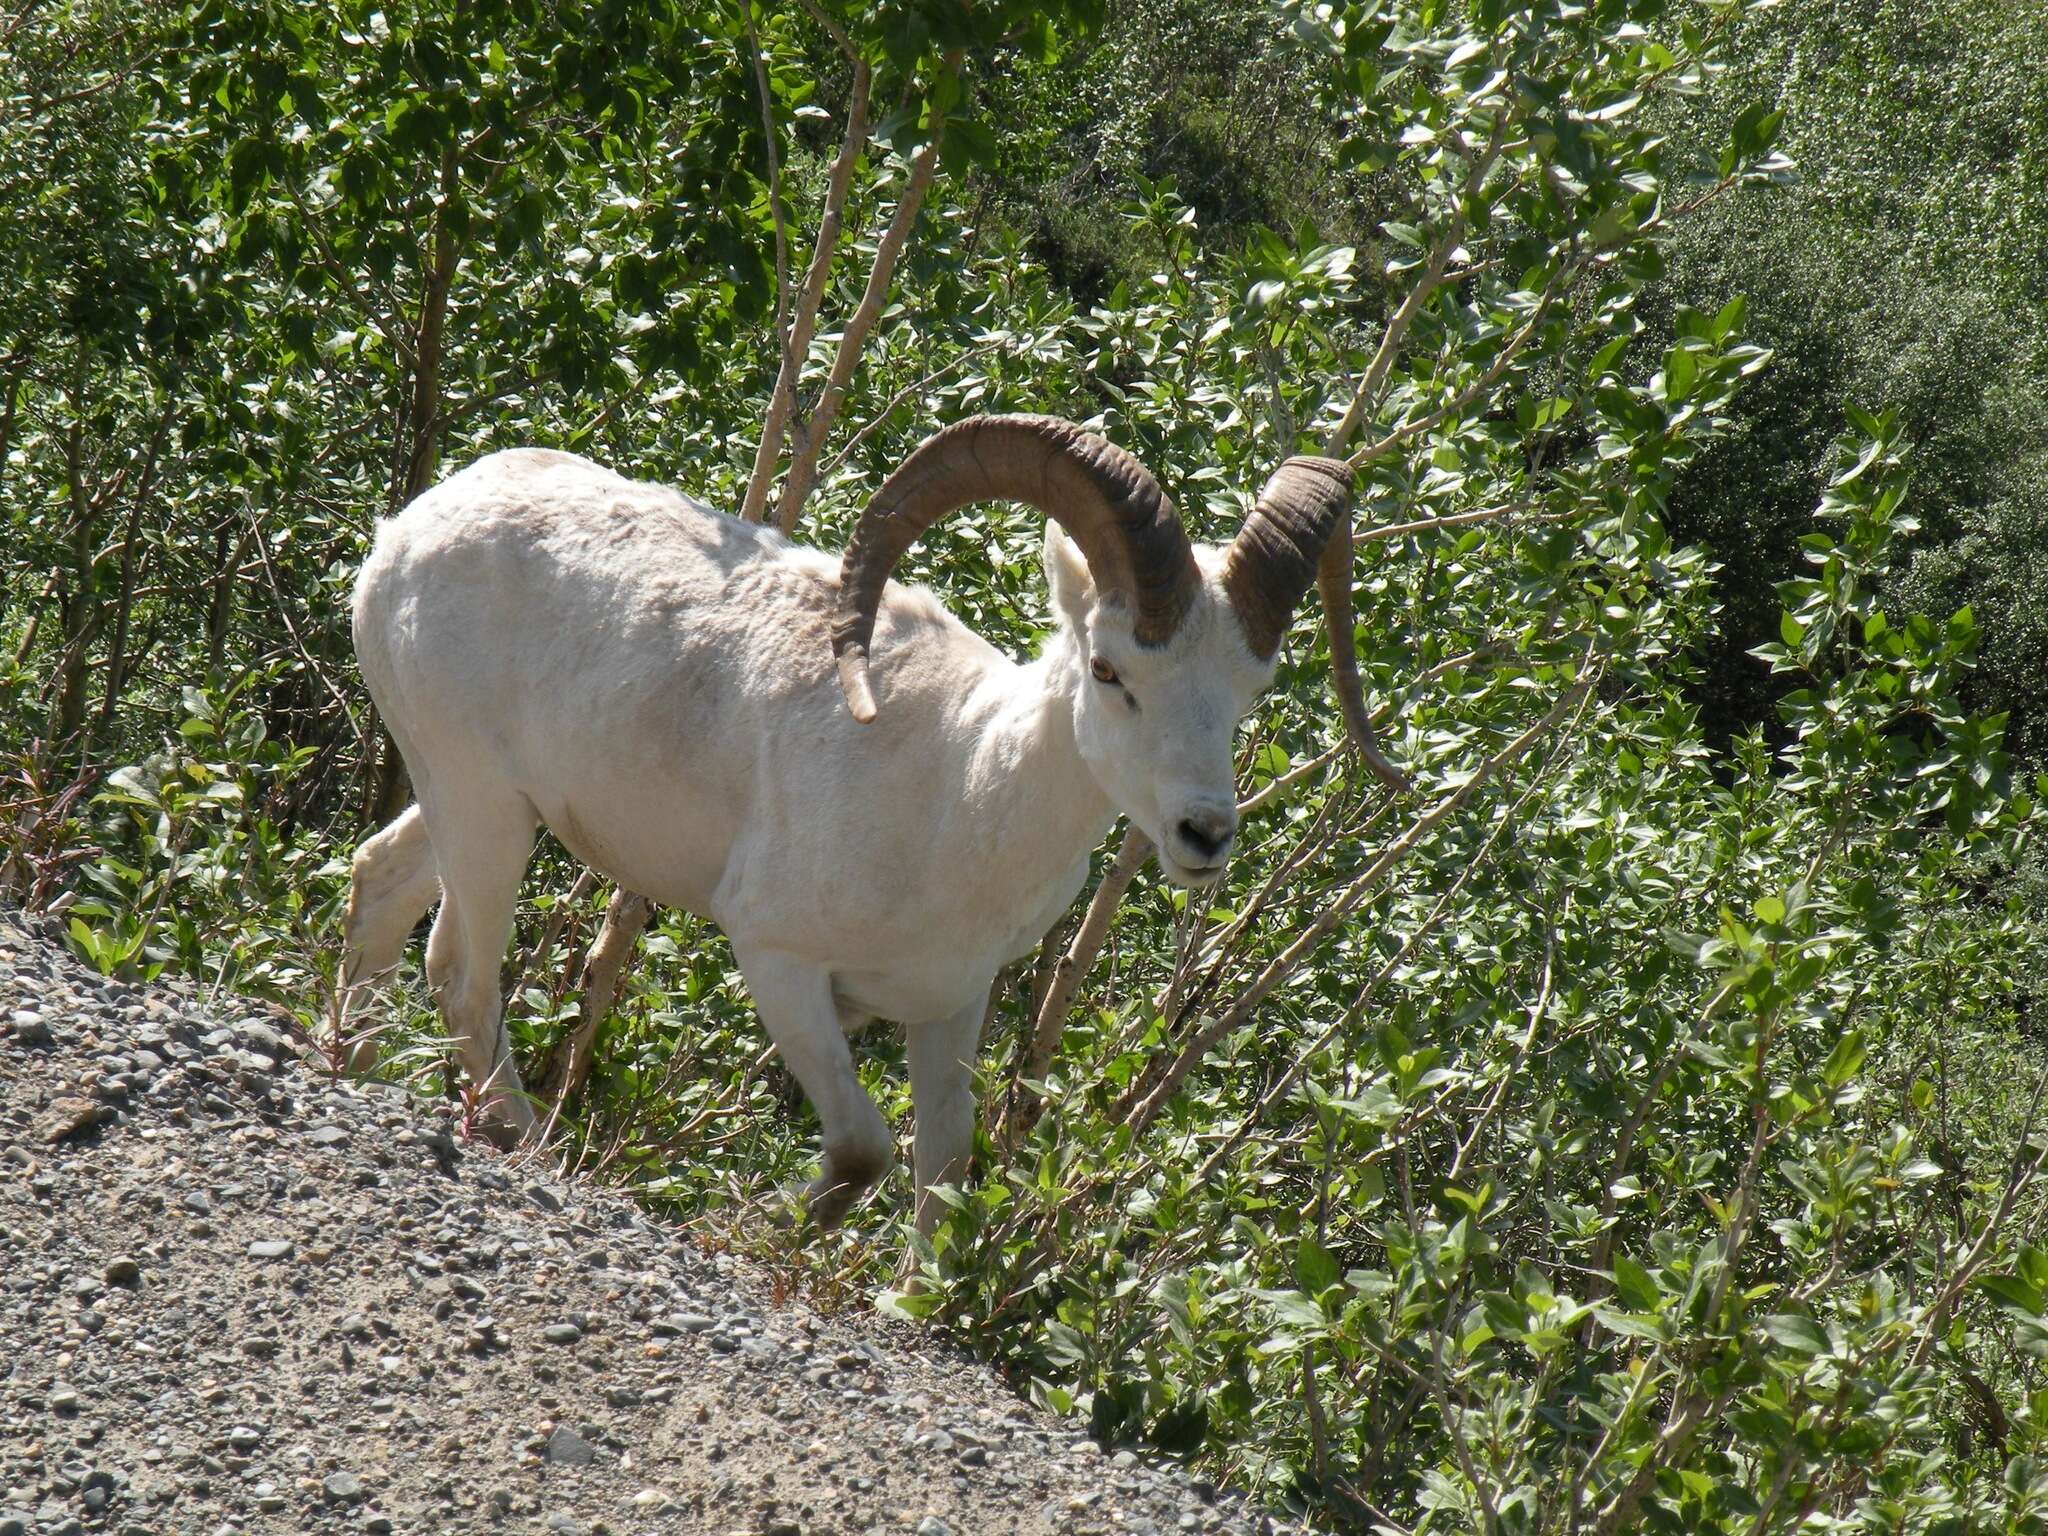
x=1139, y=1112
x=285, y=605
x=1486, y=380
x=803, y=469
x=1432, y=279
x=1074, y=966
x=625, y=918
x=1284, y=1084
x=796, y=341
x=888, y=409
x=774, y=186
x=2028, y=1158
x=1259, y=799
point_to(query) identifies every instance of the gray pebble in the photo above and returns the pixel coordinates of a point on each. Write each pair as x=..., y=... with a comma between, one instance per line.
x=566, y=1448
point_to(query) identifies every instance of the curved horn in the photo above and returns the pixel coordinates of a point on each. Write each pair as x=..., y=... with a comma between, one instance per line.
x=1298, y=532
x=1127, y=529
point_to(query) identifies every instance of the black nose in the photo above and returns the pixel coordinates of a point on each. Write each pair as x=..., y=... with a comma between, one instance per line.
x=1207, y=833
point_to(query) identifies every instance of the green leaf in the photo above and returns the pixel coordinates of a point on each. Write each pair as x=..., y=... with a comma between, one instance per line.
x=1845, y=1060
x=1633, y=1284
x=1314, y=1269
x=1800, y=1334
x=2013, y=1294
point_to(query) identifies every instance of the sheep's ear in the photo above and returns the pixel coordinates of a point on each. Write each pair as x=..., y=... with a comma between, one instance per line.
x=1066, y=574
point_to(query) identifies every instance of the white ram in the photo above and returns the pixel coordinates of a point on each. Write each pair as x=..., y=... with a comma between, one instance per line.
x=550, y=643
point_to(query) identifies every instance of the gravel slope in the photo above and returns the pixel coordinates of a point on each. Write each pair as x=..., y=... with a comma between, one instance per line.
x=234, y=1297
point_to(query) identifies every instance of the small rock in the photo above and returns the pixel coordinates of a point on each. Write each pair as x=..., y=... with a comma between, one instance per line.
x=344, y=1488
x=329, y=1135
x=66, y=1118
x=271, y=1248
x=245, y=1437
x=63, y=1399
x=123, y=1271
x=566, y=1448
x=561, y=1333
x=261, y=1037
x=30, y=1028
x=932, y=1525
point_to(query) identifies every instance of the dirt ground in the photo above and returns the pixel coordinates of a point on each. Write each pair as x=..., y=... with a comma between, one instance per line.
x=238, y=1296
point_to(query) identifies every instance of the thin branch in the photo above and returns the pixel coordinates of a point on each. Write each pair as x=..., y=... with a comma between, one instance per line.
x=1139, y=1113
x=832, y=28
x=625, y=918
x=284, y=612
x=1288, y=780
x=1433, y=278
x=1459, y=520
x=2023, y=1172
x=1473, y=866
x=902, y=395
x=1507, y=354
x=774, y=187
x=1077, y=962
x=796, y=343
x=803, y=469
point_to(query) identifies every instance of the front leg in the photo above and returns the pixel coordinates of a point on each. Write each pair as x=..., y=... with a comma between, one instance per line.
x=942, y=1095
x=795, y=1002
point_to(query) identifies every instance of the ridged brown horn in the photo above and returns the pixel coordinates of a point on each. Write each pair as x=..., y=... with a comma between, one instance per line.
x=1106, y=500
x=1300, y=531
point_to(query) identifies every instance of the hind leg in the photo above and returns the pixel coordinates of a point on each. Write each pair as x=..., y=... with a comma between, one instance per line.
x=942, y=1097
x=481, y=845
x=392, y=882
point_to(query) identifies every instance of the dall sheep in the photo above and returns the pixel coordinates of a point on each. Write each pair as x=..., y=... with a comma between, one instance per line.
x=684, y=698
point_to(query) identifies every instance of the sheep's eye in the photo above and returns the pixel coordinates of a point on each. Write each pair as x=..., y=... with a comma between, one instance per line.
x=1102, y=671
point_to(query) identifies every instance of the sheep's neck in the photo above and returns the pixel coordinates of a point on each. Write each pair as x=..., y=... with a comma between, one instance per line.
x=1046, y=810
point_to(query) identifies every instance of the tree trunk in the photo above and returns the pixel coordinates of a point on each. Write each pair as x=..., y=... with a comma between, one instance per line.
x=76, y=601
x=430, y=337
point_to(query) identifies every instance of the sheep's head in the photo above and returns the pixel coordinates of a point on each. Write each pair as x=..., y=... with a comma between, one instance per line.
x=1176, y=640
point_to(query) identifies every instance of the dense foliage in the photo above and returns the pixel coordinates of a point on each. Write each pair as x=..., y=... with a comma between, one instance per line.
x=1632, y=1125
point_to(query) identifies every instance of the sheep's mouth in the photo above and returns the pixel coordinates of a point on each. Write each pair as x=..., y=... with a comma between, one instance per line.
x=1193, y=875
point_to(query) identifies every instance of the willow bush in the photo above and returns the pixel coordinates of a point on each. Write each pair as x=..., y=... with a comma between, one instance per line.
x=1608, y=1131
